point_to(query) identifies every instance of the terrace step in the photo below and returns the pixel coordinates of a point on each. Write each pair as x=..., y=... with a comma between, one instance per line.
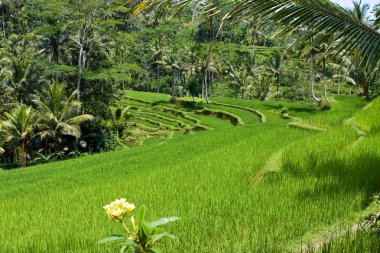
x=233, y=118
x=261, y=116
x=163, y=119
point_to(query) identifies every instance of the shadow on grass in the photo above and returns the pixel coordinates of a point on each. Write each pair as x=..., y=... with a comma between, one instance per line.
x=298, y=108
x=355, y=174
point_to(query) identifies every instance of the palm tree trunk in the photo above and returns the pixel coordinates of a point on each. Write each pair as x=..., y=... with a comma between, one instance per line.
x=203, y=85
x=184, y=79
x=211, y=29
x=3, y=10
x=55, y=51
x=312, y=74
x=80, y=70
x=339, y=80
x=253, y=53
x=325, y=93
x=206, y=95
x=278, y=82
x=212, y=84
x=21, y=156
x=366, y=92
x=158, y=79
x=221, y=85
x=324, y=81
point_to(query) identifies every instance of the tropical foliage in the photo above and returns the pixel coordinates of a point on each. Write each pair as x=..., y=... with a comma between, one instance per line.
x=73, y=62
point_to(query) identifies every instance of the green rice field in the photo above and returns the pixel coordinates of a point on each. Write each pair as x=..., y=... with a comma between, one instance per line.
x=259, y=186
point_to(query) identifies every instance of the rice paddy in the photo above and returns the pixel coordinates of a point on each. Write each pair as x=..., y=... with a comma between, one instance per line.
x=307, y=184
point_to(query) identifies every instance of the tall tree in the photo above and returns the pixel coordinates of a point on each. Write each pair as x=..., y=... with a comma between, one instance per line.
x=18, y=128
x=15, y=72
x=59, y=114
x=277, y=65
x=159, y=50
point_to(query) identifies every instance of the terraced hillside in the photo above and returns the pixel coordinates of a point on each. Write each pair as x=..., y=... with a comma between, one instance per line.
x=156, y=116
x=243, y=181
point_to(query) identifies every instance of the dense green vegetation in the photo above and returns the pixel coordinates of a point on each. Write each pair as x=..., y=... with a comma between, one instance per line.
x=99, y=50
x=256, y=122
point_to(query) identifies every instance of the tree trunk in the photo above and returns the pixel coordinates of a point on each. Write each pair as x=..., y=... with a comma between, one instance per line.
x=203, y=85
x=4, y=33
x=324, y=81
x=325, y=93
x=206, y=95
x=55, y=49
x=211, y=29
x=278, y=82
x=80, y=70
x=311, y=73
x=21, y=156
x=339, y=80
x=221, y=85
x=253, y=53
x=212, y=84
x=158, y=79
x=366, y=92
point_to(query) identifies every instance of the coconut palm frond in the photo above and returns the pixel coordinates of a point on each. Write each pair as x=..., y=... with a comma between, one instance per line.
x=46, y=134
x=140, y=6
x=71, y=106
x=77, y=120
x=320, y=17
x=71, y=130
x=44, y=109
x=345, y=78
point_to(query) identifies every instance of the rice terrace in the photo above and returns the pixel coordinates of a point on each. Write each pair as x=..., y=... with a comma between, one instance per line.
x=190, y=126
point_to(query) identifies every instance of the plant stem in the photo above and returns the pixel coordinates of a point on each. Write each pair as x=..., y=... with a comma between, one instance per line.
x=125, y=227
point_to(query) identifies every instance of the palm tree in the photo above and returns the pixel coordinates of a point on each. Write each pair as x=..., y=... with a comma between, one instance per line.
x=277, y=66
x=158, y=53
x=360, y=11
x=18, y=128
x=207, y=66
x=240, y=79
x=322, y=55
x=255, y=31
x=172, y=63
x=119, y=118
x=59, y=114
x=15, y=72
x=343, y=68
x=4, y=5
x=376, y=24
x=263, y=79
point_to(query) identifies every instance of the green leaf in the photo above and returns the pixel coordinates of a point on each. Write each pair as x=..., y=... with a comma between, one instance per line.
x=128, y=243
x=123, y=249
x=157, y=237
x=148, y=230
x=140, y=216
x=163, y=221
x=112, y=239
x=155, y=250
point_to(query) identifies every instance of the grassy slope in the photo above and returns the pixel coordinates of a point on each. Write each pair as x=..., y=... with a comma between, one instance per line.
x=203, y=178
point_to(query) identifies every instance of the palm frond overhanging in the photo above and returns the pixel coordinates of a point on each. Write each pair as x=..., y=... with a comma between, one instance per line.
x=319, y=16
